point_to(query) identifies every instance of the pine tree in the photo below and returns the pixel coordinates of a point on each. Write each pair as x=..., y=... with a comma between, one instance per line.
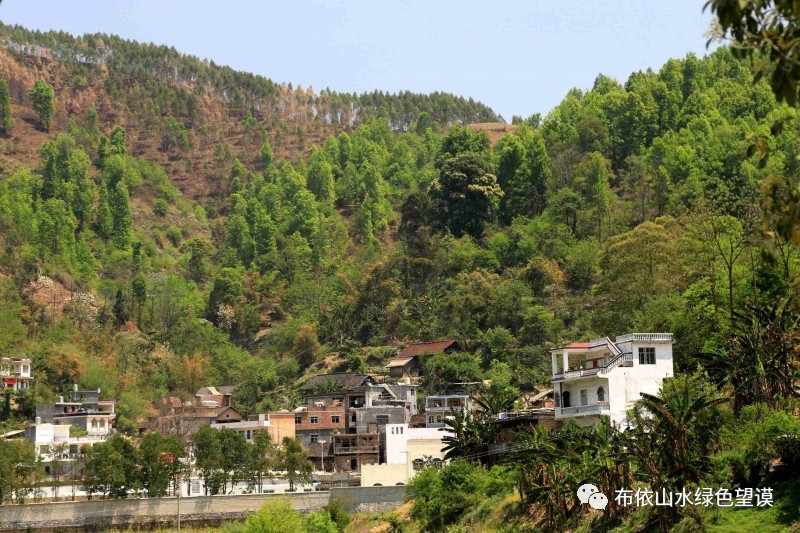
x=267, y=157
x=119, y=204
x=41, y=97
x=6, y=120
x=120, y=313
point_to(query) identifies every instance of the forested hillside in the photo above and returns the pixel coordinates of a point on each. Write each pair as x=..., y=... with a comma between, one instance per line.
x=192, y=115
x=628, y=207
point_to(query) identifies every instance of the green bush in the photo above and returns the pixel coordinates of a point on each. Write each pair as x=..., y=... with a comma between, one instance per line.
x=443, y=496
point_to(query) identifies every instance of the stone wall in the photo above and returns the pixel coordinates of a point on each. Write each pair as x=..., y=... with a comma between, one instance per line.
x=369, y=499
x=101, y=515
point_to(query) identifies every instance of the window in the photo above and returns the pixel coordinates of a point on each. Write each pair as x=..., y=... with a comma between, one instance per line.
x=382, y=420
x=314, y=438
x=315, y=420
x=584, y=397
x=298, y=420
x=335, y=419
x=419, y=464
x=437, y=463
x=601, y=394
x=438, y=419
x=557, y=399
x=73, y=449
x=430, y=419
x=647, y=356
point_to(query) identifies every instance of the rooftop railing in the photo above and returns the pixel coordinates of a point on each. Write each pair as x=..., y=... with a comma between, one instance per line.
x=645, y=337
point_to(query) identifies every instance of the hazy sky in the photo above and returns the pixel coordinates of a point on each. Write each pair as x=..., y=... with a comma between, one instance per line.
x=518, y=56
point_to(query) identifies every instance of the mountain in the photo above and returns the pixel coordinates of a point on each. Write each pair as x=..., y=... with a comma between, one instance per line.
x=225, y=113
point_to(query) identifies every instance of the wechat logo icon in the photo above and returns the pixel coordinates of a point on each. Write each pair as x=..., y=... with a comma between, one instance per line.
x=588, y=493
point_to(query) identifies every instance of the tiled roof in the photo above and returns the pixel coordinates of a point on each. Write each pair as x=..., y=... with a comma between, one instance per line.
x=425, y=347
x=226, y=389
x=345, y=380
x=578, y=345
x=400, y=361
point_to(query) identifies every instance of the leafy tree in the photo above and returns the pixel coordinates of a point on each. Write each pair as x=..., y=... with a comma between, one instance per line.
x=175, y=135
x=294, y=461
x=208, y=459
x=267, y=157
x=274, y=517
x=41, y=96
x=6, y=118
x=465, y=195
x=121, y=218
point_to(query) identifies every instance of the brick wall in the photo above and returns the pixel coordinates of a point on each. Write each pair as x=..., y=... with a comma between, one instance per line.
x=324, y=418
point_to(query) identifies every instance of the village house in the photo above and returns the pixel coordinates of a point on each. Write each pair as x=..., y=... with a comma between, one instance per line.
x=64, y=429
x=215, y=396
x=278, y=425
x=604, y=377
x=407, y=363
x=439, y=407
x=185, y=418
x=405, y=451
x=16, y=373
x=84, y=410
x=366, y=406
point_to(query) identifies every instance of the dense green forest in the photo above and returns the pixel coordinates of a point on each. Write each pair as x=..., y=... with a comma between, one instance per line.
x=628, y=207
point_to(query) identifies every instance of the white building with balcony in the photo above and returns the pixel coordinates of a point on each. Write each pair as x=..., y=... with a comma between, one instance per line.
x=54, y=442
x=604, y=377
x=15, y=373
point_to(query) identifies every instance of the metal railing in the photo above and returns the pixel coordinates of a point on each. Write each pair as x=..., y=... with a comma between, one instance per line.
x=623, y=357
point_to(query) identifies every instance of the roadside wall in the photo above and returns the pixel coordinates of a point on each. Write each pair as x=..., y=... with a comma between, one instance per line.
x=144, y=513
x=101, y=515
x=369, y=499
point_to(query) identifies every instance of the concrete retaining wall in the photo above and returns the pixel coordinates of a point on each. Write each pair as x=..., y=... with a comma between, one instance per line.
x=369, y=499
x=145, y=513
x=101, y=515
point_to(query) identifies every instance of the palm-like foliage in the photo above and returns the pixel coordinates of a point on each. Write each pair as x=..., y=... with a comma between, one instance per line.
x=475, y=432
x=761, y=361
x=673, y=435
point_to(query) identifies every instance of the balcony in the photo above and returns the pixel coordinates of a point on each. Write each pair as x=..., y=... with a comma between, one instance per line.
x=338, y=450
x=582, y=373
x=584, y=410
x=623, y=359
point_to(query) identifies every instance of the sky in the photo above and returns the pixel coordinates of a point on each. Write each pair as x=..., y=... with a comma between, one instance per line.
x=517, y=56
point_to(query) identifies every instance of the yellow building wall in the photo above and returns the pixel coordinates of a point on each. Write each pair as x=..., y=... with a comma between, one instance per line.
x=385, y=475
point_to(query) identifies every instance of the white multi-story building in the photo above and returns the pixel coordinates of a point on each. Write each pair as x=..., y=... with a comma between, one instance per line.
x=15, y=373
x=604, y=377
x=405, y=451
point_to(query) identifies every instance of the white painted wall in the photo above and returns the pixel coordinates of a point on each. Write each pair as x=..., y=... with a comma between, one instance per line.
x=623, y=385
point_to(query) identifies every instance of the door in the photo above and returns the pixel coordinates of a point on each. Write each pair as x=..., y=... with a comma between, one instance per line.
x=584, y=397
x=565, y=399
